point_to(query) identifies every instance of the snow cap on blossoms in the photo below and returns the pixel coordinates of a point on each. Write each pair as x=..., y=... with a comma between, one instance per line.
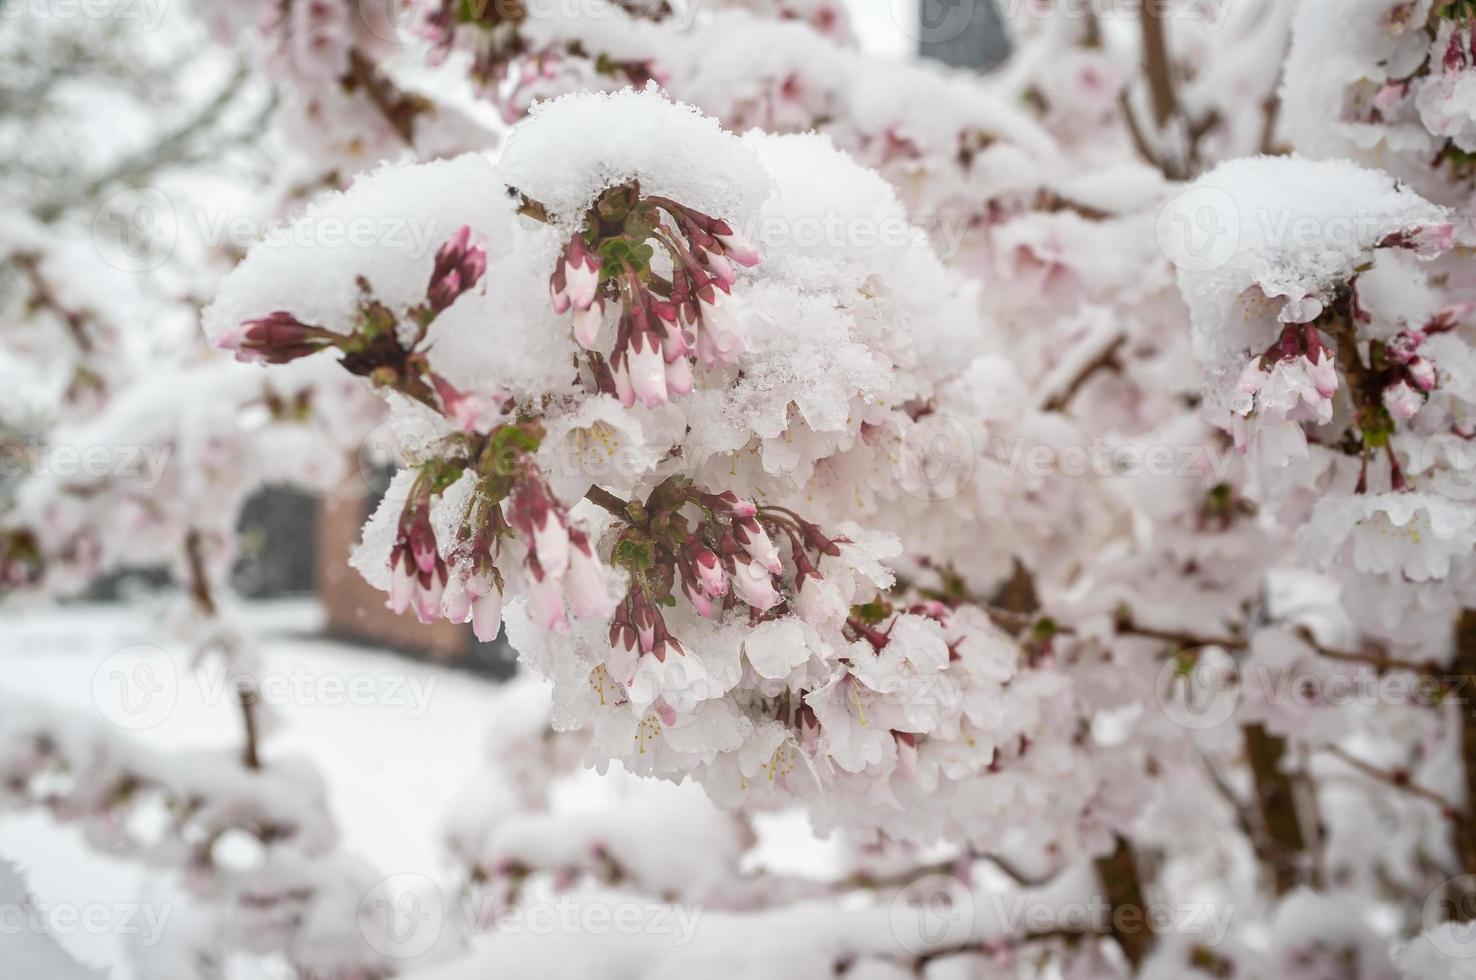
x=571, y=149
x=1265, y=241
x=291, y=273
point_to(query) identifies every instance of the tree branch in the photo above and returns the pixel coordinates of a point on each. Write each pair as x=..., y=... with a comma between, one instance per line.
x=168, y=150
x=1277, y=804
x=43, y=295
x=398, y=109
x=1107, y=360
x=1128, y=912
x=246, y=695
x=606, y=500
x=1397, y=778
x=1463, y=830
x=1156, y=64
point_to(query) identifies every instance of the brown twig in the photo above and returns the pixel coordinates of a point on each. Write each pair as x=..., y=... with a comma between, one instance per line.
x=1378, y=659
x=1156, y=65
x=606, y=500
x=204, y=598
x=1276, y=804
x=43, y=296
x=247, y=698
x=1139, y=138
x=398, y=109
x=199, y=584
x=1270, y=116
x=1131, y=926
x=1397, y=778
x=1067, y=934
x=1107, y=360
x=1464, y=665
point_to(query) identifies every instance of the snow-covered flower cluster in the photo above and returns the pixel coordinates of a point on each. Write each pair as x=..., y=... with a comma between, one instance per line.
x=700, y=622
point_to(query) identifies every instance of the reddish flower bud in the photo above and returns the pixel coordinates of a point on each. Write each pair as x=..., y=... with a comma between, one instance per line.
x=459, y=266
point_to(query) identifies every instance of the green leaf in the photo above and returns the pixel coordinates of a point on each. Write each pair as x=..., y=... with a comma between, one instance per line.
x=633, y=553
x=441, y=475
x=618, y=252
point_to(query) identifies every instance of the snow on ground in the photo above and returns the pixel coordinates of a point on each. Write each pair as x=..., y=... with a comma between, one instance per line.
x=396, y=751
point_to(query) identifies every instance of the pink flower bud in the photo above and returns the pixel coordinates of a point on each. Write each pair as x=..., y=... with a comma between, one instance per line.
x=559, y=298
x=699, y=599
x=587, y=323
x=455, y=601
x=1324, y=374
x=547, y=603
x=1449, y=317
x=402, y=587
x=458, y=267
x=588, y=592
x=430, y=586
x=471, y=412
x=1422, y=373
x=581, y=273
x=551, y=544
x=1402, y=401
x=710, y=574
x=1425, y=240
x=753, y=585
x=720, y=337
x=620, y=374
x=722, y=270
x=1402, y=346
x=486, y=613
x=755, y=540
x=737, y=248
x=644, y=621
x=275, y=339
x=674, y=344
x=679, y=377
x=647, y=369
